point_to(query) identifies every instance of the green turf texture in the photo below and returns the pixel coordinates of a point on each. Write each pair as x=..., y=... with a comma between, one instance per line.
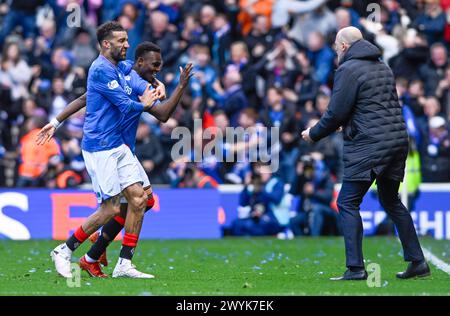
x=231, y=266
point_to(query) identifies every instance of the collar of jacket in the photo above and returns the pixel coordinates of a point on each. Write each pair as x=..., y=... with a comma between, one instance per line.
x=362, y=49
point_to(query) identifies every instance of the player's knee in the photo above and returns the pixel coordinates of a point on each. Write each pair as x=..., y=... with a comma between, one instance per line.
x=139, y=202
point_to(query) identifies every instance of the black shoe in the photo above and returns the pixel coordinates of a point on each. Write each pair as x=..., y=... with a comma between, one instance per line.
x=418, y=270
x=349, y=275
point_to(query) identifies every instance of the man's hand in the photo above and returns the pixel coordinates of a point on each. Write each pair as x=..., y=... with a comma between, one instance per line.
x=148, y=98
x=45, y=134
x=305, y=135
x=185, y=75
x=148, y=165
x=308, y=188
x=161, y=89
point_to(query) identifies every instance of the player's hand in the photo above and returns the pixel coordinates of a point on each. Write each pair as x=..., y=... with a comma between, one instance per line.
x=148, y=98
x=305, y=135
x=45, y=134
x=161, y=89
x=185, y=75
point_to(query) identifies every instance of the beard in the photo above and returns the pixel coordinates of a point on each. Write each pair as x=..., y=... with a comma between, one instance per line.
x=116, y=54
x=339, y=57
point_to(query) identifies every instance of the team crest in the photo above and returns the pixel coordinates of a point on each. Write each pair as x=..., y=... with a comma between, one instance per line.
x=113, y=84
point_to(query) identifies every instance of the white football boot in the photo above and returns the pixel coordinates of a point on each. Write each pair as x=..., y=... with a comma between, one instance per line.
x=125, y=269
x=61, y=257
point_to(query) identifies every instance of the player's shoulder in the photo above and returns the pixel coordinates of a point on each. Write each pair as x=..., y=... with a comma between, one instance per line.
x=125, y=66
x=349, y=69
x=101, y=67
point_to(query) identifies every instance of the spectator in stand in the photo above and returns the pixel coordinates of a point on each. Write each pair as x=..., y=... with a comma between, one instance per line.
x=244, y=149
x=15, y=72
x=321, y=20
x=188, y=175
x=435, y=151
x=261, y=194
x=206, y=73
x=443, y=93
x=445, y=4
x=83, y=49
x=304, y=87
x=240, y=60
x=30, y=110
x=321, y=56
x=44, y=45
x=252, y=8
x=192, y=32
x=150, y=153
x=158, y=32
x=330, y=148
x=207, y=15
x=73, y=173
x=222, y=39
x=414, y=52
x=261, y=38
x=74, y=78
x=431, y=22
x=315, y=189
x=434, y=70
x=132, y=18
x=234, y=99
x=282, y=10
x=34, y=160
x=23, y=13
x=431, y=108
x=278, y=113
x=15, y=75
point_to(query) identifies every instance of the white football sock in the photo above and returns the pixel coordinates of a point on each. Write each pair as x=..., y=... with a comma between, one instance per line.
x=89, y=259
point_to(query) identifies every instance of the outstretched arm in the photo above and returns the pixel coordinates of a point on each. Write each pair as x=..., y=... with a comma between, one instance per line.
x=164, y=110
x=47, y=132
x=72, y=108
x=341, y=105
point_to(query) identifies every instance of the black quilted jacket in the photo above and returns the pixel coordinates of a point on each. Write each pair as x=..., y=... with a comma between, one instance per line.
x=365, y=103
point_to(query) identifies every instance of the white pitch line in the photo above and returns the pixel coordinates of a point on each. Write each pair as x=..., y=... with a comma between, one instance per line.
x=440, y=264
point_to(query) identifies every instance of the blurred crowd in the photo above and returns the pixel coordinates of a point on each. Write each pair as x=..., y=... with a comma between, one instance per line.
x=258, y=63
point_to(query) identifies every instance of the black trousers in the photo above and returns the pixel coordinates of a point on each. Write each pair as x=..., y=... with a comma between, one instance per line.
x=349, y=201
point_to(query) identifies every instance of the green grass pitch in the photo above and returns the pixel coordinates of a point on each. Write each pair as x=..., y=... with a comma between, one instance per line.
x=231, y=266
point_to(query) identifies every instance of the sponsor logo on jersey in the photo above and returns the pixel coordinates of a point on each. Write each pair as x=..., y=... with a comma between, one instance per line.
x=113, y=84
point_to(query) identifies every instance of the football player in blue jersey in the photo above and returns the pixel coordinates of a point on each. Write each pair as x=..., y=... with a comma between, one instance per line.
x=110, y=163
x=148, y=62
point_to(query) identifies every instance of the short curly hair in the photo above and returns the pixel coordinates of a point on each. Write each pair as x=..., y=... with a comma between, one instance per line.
x=105, y=30
x=146, y=47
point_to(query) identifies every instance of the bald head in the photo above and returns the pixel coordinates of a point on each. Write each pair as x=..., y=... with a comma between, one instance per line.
x=344, y=39
x=349, y=35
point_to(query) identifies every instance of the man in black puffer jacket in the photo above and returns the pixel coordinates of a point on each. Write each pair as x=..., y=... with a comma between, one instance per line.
x=365, y=103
